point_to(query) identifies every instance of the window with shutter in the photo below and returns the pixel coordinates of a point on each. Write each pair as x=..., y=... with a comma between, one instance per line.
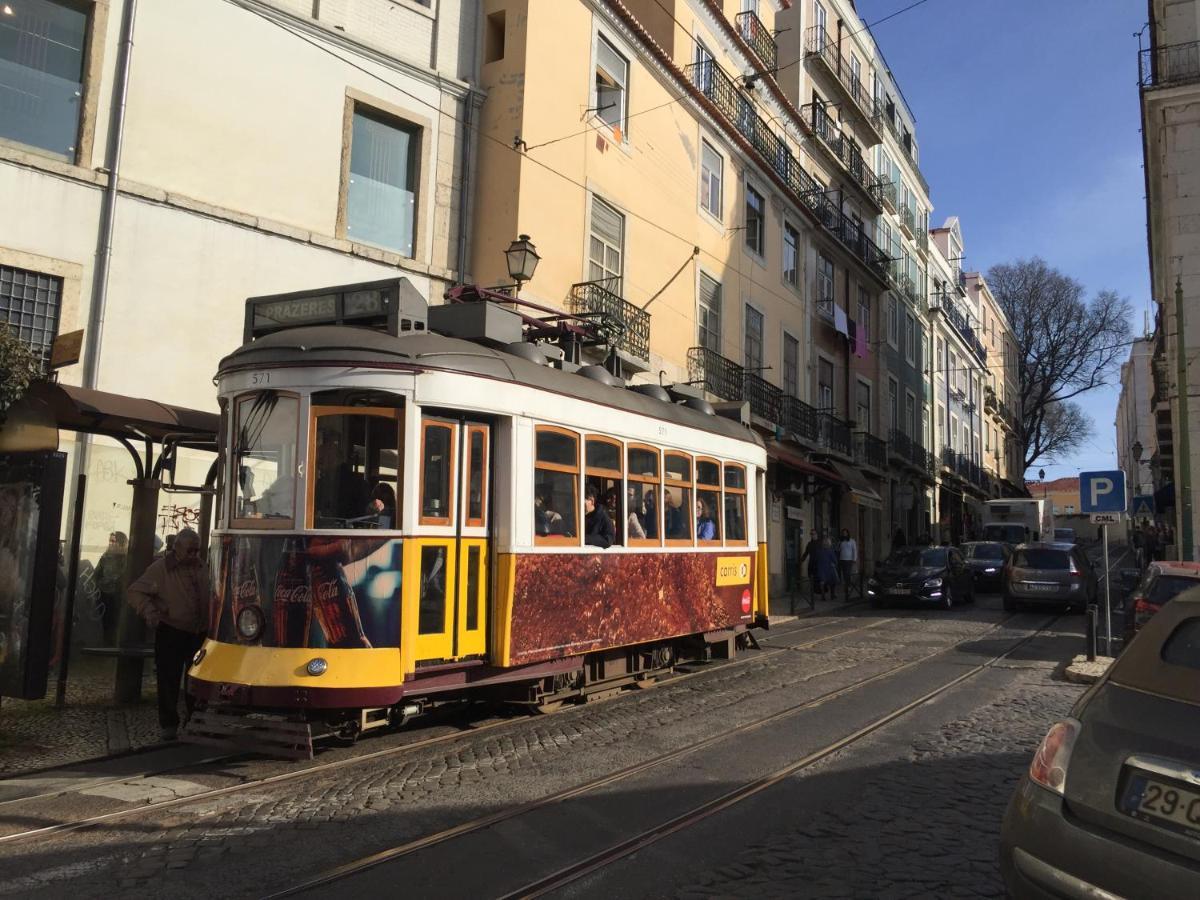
x=709, y=314
x=607, y=240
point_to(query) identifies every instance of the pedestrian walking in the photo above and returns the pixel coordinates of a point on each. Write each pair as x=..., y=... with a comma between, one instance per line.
x=826, y=569
x=811, y=552
x=847, y=552
x=172, y=596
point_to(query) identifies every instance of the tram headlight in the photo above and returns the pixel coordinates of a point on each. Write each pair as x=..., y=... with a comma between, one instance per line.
x=199, y=657
x=250, y=622
x=316, y=666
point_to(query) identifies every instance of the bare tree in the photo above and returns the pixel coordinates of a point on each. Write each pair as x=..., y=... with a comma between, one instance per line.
x=1066, y=346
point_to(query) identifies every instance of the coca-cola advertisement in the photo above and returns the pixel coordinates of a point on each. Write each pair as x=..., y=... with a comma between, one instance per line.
x=313, y=591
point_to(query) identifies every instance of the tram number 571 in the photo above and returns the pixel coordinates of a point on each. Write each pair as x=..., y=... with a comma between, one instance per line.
x=258, y=378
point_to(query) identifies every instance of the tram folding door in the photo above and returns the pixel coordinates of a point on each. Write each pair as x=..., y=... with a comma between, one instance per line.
x=453, y=560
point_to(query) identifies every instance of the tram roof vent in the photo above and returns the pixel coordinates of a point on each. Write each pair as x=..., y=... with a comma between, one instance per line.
x=600, y=374
x=531, y=352
x=652, y=390
x=681, y=392
x=483, y=323
x=700, y=405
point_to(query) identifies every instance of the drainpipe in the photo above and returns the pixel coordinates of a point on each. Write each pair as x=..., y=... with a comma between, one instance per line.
x=108, y=214
x=1184, y=489
x=464, y=203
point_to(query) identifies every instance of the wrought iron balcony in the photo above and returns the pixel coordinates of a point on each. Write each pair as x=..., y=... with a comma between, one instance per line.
x=626, y=326
x=825, y=308
x=888, y=193
x=801, y=419
x=923, y=240
x=1170, y=65
x=759, y=37
x=820, y=46
x=729, y=381
x=834, y=433
x=908, y=220
x=765, y=399
x=900, y=445
x=717, y=86
x=870, y=450
x=845, y=150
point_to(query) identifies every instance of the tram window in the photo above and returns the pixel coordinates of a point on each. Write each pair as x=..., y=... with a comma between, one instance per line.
x=473, y=588
x=431, y=612
x=642, y=497
x=476, y=499
x=677, y=498
x=708, y=501
x=437, y=467
x=603, y=472
x=264, y=458
x=556, y=487
x=735, y=505
x=355, y=476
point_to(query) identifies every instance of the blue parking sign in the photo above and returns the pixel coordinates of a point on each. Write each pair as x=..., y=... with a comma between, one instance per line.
x=1102, y=492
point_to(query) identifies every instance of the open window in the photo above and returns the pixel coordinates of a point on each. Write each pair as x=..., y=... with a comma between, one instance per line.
x=678, y=512
x=708, y=502
x=265, y=455
x=355, y=452
x=602, y=471
x=642, y=497
x=735, y=504
x=556, y=486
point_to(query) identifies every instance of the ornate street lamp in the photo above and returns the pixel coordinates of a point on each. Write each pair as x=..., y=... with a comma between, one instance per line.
x=522, y=260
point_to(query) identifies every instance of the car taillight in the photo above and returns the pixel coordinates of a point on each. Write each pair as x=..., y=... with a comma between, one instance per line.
x=1049, y=766
x=1143, y=610
x=1075, y=569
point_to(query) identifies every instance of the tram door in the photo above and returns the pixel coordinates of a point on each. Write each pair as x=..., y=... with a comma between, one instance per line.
x=452, y=602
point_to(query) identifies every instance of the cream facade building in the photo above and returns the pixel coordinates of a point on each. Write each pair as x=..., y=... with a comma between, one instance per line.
x=265, y=146
x=1137, y=434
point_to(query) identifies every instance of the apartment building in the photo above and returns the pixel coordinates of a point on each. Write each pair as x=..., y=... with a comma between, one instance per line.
x=1136, y=424
x=160, y=164
x=1003, y=457
x=1170, y=88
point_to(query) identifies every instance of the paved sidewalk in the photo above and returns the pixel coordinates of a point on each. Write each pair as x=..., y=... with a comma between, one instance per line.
x=35, y=734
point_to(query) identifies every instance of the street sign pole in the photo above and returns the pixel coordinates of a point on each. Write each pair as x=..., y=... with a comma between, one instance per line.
x=1107, y=597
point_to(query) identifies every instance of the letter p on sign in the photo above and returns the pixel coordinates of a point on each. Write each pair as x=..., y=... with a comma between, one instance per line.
x=1102, y=492
x=1100, y=488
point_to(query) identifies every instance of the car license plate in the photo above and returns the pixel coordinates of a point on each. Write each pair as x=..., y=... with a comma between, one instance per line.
x=900, y=591
x=1042, y=588
x=1163, y=803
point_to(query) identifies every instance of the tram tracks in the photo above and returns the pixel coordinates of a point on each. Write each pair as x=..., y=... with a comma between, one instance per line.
x=320, y=768
x=695, y=815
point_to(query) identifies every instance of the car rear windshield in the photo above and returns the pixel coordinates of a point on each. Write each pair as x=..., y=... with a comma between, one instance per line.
x=1038, y=558
x=1064, y=534
x=984, y=551
x=1167, y=586
x=1183, y=646
x=930, y=557
x=1011, y=533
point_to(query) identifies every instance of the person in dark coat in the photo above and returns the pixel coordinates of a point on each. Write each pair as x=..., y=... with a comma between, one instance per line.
x=598, y=527
x=827, y=569
x=810, y=554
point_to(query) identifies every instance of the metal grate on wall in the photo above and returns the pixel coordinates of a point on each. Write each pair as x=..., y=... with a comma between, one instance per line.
x=30, y=303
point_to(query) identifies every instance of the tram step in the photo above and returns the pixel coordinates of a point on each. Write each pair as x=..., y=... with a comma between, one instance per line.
x=250, y=732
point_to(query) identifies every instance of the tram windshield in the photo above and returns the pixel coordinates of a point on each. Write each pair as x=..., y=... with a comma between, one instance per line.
x=356, y=462
x=265, y=456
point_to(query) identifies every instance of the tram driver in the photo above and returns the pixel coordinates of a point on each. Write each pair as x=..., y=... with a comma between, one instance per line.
x=341, y=494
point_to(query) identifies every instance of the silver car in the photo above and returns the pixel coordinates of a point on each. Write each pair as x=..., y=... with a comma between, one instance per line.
x=1045, y=573
x=1110, y=806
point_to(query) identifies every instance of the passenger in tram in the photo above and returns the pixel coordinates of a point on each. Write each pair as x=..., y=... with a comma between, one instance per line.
x=598, y=527
x=341, y=493
x=546, y=520
x=673, y=523
x=383, y=505
x=633, y=524
x=706, y=528
x=650, y=514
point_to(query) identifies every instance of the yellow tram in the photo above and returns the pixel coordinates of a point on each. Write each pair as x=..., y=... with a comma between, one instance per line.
x=401, y=517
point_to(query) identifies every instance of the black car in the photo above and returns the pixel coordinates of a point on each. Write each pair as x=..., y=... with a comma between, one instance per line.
x=936, y=575
x=986, y=560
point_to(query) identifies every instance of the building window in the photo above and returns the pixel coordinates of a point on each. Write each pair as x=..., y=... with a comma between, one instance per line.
x=712, y=170
x=910, y=339
x=824, y=286
x=864, y=317
x=380, y=196
x=493, y=50
x=755, y=220
x=41, y=74
x=709, y=314
x=29, y=303
x=893, y=405
x=754, y=340
x=612, y=80
x=605, y=253
x=825, y=385
x=910, y=415
x=893, y=323
x=791, y=365
x=791, y=254
x=862, y=406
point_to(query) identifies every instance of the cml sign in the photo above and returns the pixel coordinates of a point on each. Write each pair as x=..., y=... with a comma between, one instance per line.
x=1102, y=492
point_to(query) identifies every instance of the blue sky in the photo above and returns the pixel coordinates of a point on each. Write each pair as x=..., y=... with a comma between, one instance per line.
x=1027, y=119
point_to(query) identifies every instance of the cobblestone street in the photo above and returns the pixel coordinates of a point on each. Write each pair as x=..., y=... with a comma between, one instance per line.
x=910, y=809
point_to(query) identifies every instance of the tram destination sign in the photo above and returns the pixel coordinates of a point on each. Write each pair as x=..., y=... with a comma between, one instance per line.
x=393, y=306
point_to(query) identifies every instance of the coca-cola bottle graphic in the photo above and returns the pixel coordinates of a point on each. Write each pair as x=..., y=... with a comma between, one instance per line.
x=291, y=611
x=221, y=591
x=244, y=587
x=334, y=600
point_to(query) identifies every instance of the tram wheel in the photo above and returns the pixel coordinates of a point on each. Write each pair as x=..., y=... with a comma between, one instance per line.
x=549, y=706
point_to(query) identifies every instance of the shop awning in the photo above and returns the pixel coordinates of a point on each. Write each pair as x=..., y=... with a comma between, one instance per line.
x=861, y=491
x=795, y=460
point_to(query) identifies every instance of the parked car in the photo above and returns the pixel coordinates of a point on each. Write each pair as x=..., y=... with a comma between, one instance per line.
x=986, y=560
x=1162, y=581
x=1065, y=536
x=926, y=574
x=1110, y=806
x=1044, y=573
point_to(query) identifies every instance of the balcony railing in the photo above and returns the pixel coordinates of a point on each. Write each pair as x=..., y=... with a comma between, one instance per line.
x=870, y=450
x=766, y=400
x=729, y=381
x=908, y=220
x=626, y=326
x=900, y=445
x=844, y=149
x=820, y=45
x=923, y=240
x=759, y=37
x=833, y=433
x=888, y=193
x=713, y=82
x=801, y=419
x=1170, y=65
